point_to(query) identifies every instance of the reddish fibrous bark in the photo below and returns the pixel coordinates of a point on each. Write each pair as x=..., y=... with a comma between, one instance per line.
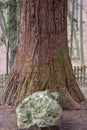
x=42, y=60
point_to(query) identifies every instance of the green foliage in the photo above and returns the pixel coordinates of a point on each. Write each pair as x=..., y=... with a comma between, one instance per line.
x=11, y=22
x=8, y=3
x=1, y=4
x=13, y=47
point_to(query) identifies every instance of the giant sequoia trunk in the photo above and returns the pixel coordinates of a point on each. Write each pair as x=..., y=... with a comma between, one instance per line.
x=42, y=60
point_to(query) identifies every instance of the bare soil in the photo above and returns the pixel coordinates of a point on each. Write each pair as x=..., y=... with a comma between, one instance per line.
x=7, y=118
x=72, y=119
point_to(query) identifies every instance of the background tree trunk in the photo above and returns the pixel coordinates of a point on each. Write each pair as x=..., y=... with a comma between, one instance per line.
x=13, y=30
x=42, y=60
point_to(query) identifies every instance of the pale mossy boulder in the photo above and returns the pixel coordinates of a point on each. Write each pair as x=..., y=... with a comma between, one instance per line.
x=39, y=109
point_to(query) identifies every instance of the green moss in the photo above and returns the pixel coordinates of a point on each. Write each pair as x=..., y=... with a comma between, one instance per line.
x=55, y=77
x=40, y=84
x=29, y=116
x=60, y=57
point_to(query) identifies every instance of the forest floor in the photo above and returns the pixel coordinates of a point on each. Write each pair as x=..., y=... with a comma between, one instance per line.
x=72, y=119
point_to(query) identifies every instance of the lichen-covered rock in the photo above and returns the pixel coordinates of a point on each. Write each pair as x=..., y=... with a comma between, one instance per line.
x=40, y=109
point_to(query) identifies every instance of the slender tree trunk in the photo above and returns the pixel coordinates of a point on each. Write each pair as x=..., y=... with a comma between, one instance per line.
x=81, y=34
x=72, y=26
x=42, y=60
x=13, y=30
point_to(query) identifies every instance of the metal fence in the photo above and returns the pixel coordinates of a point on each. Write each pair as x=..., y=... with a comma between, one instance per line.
x=3, y=80
x=80, y=74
